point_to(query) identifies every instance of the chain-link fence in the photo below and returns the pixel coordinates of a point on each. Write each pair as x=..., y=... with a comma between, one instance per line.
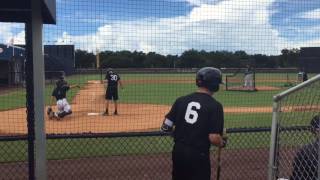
x=136, y=156
x=156, y=47
x=295, y=140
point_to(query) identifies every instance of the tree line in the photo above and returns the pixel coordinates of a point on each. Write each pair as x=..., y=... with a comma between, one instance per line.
x=188, y=59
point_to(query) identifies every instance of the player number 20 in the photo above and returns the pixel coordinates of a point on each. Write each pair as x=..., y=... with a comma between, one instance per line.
x=191, y=115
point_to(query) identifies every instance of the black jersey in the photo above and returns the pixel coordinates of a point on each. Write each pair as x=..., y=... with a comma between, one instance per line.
x=60, y=92
x=112, y=79
x=195, y=116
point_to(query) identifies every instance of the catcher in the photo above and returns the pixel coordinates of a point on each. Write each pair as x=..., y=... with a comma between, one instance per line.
x=59, y=93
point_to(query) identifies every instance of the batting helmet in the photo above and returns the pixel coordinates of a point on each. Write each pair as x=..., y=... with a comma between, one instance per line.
x=315, y=124
x=209, y=78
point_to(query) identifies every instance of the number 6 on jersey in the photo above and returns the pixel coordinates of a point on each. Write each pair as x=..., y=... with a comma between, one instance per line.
x=191, y=115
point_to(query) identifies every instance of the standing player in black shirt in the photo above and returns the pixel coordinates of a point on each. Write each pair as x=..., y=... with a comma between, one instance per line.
x=59, y=94
x=113, y=80
x=196, y=121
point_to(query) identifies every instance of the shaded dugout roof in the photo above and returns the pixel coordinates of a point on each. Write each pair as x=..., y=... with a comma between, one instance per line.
x=7, y=52
x=19, y=10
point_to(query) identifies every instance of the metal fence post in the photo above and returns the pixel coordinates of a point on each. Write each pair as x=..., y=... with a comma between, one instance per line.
x=273, y=144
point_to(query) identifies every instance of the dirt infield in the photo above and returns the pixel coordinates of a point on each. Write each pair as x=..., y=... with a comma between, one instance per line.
x=258, y=88
x=88, y=106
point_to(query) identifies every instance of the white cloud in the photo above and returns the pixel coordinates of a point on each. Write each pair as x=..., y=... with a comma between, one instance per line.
x=198, y=2
x=227, y=25
x=233, y=11
x=211, y=25
x=308, y=43
x=7, y=33
x=201, y=2
x=314, y=14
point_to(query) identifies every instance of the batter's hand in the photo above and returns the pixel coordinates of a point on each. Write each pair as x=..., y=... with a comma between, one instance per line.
x=224, y=142
x=224, y=138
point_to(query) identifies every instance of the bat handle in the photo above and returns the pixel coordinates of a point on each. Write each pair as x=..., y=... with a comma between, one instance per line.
x=218, y=163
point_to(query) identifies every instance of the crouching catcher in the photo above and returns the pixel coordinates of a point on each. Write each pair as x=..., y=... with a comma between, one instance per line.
x=59, y=93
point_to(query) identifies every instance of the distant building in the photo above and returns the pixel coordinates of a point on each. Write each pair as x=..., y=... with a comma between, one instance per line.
x=59, y=58
x=12, y=60
x=310, y=59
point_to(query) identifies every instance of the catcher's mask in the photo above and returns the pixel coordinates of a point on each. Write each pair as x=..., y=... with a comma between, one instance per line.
x=60, y=82
x=209, y=78
x=315, y=124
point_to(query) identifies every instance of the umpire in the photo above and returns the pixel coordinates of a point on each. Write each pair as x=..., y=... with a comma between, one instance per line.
x=306, y=162
x=196, y=121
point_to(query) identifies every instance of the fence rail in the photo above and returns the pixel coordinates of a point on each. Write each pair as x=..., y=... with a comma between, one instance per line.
x=294, y=154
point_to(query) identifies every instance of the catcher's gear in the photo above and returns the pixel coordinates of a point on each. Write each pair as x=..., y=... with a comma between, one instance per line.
x=209, y=78
x=50, y=113
x=61, y=82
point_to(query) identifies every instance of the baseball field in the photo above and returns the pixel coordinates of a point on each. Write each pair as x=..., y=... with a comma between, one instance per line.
x=145, y=99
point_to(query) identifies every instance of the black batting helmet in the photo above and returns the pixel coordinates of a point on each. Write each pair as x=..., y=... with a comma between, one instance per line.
x=209, y=78
x=315, y=124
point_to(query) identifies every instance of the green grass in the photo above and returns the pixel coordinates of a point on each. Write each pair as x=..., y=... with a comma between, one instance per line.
x=17, y=97
x=156, y=93
x=14, y=99
x=126, y=146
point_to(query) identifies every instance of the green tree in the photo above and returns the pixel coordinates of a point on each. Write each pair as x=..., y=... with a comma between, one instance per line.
x=192, y=58
x=84, y=59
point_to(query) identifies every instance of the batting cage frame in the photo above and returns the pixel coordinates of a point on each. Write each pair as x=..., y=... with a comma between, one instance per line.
x=294, y=147
x=236, y=79
x=239, y=81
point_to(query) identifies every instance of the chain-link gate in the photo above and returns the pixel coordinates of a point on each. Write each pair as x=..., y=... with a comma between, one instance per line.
x=294, y=151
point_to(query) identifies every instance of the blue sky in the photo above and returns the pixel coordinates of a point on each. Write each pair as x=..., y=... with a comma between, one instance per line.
x=173, y=26
x=292, y=19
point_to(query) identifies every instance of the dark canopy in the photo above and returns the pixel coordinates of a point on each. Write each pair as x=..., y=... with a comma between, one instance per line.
x=18, y=10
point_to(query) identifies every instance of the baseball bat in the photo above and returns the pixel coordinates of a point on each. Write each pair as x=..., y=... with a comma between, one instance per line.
x=219, y=157
x=218, y=163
